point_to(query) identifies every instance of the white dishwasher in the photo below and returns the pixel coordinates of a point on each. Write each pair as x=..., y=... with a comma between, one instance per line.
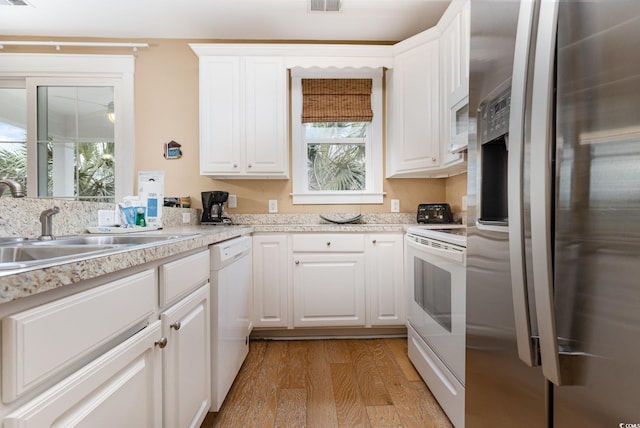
x=230, y=313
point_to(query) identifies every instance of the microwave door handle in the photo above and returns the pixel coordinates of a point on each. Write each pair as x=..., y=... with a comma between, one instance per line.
x=541, y=186
x=527, y=347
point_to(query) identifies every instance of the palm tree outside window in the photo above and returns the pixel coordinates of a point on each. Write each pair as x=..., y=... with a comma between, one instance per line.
x=337, y=143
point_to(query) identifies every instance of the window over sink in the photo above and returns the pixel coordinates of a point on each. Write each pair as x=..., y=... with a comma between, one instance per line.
x=59, y=135
x=337, y=136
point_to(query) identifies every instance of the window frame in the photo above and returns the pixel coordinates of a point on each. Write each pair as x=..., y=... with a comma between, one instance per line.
x=79, y=70
x=373, y=193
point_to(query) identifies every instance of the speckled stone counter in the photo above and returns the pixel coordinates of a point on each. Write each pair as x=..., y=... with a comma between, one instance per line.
x=330, y=228
x=17, y=219
x=27, y=282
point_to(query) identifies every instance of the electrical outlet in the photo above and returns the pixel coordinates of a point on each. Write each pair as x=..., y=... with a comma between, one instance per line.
x=232, y=202
x=395, y=205
x=186, y=217
x=273, y=206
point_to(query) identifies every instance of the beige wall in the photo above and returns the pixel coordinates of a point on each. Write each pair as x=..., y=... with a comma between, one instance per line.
x=166, y=109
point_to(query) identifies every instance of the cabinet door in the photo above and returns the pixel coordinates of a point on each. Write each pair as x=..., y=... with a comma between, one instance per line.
x=122, y=388
x=41, y=343
x=266, y=116
x=459, y=61
x=187, y=360
x=270, y=281
x=385, y=288
x=454, y=43
x=220, y=115
x=413, y=147
x=328, y=289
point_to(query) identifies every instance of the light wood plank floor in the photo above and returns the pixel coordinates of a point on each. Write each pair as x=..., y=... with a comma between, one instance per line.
x=328, y=383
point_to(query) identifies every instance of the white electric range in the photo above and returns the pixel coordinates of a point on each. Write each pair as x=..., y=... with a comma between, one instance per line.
x=436, y=290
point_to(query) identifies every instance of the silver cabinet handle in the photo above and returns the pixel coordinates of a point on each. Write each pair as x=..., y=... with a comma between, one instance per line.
x=374, y=241
x=235, y=166
x=297, y=262
x=161, y=343
x=249, y=166
x=328, y=243
x=176, y=325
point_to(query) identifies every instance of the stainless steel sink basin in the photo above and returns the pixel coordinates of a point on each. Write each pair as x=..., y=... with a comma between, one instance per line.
x=24, y=255
x=107, y=240
x=16, y=254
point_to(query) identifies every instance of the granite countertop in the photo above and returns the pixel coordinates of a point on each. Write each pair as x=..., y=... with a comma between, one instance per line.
x=30, y=281
x=330, y=227
x=27, y=282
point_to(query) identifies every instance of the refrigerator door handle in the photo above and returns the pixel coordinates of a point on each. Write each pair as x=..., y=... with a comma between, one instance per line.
x=541, y=188
x=527, y=351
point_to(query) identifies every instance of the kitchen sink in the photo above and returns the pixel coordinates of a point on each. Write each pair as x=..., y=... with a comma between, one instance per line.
x=25, y=255
x=83, y=240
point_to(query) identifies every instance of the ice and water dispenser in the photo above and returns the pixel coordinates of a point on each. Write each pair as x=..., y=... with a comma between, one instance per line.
x=494, y=143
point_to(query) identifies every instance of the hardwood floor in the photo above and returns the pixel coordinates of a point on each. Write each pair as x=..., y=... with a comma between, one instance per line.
x=328, y=383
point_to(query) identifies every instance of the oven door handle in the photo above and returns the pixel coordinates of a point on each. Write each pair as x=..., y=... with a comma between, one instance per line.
x=457, y=256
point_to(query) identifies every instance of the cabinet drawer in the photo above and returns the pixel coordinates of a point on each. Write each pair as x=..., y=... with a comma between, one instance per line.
x=179, y=277
x=328, y=242
x=44, y=341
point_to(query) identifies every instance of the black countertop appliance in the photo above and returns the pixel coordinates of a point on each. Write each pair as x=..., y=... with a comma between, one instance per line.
x=213, y=207
x=434, y=213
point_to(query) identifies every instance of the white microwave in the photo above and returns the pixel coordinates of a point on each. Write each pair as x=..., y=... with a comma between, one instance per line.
x=459, y=127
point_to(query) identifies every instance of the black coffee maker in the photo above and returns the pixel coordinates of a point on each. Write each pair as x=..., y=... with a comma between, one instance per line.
x=212, y=207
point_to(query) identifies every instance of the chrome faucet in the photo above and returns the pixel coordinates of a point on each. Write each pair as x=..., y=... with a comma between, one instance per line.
x=14, y=187
x=47, y=223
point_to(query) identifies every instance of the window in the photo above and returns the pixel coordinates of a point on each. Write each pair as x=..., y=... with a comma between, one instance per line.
x=13, y=131
x=337, y=137
x=66, y=142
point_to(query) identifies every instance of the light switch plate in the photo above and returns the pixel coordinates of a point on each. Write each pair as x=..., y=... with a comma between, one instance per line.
x=232, y=202
x=464, y=203
x=395, y=205
x=273, y=206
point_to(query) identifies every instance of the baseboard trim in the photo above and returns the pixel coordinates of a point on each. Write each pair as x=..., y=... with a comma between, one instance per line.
x=328, y=333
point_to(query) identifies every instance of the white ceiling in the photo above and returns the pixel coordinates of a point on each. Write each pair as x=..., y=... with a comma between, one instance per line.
x=358, y=20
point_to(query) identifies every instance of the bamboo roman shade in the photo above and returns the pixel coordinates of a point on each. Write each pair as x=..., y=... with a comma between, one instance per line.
x=336, y=100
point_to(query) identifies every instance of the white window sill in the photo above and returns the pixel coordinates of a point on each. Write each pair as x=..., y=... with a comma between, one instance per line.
x=333, y=198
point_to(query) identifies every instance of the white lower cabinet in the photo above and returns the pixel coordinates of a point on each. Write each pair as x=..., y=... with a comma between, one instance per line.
x=102, y=358
x=270, y=281
x=41, y=344
x=186, y=360
x=385, y=286
x=328, y=280
x=328, y=290
x=122, y=388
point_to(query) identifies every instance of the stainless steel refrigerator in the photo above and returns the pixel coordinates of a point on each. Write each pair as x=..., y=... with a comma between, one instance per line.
x=553, y=238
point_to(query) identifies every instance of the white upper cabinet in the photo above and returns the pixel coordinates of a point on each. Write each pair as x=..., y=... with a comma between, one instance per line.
x=243, y=115
x=413, y=105
x=454, y=41
x=454, y=48
x=426, y=99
